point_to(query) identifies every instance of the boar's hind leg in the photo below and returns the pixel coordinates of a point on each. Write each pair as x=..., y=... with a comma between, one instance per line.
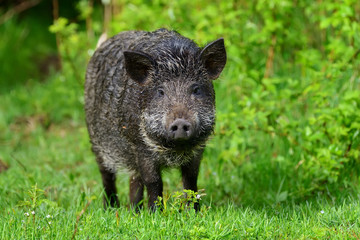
x=190, y=173
x=109, y=182
x=136, y=191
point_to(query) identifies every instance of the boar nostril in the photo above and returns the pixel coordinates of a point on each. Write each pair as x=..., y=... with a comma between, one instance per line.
x=180, y=129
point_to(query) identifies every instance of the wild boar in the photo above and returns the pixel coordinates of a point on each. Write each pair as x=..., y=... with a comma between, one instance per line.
x=150, y=104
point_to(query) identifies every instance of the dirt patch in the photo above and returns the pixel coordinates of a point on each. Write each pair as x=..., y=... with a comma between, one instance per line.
x=3, y=166
x=28, y=124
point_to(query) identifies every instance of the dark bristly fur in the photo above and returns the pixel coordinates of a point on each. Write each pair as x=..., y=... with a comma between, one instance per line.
x=150, y=104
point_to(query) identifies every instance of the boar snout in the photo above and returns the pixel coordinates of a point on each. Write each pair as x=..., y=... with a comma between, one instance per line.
x=180, y=129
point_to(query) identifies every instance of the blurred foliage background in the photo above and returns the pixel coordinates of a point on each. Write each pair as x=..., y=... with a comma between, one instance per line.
x=288, y=101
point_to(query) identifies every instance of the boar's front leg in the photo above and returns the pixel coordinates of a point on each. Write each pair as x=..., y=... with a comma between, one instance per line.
x=109, y=182
x=190, y=173
x=154, y=192
x=151, y=176
x=136, y=191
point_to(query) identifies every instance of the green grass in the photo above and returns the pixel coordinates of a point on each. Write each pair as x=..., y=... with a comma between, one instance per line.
x=305, y=221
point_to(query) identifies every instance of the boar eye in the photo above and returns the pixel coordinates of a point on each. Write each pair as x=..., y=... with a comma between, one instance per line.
x=160, y=92
x=196, y=90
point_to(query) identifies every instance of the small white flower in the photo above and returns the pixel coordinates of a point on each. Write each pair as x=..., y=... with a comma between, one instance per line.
x=198, y=196
x=50, y=223
x=48, y=216
x=322, y=212
x=27, y=214
x=22, y=221
x=33, y=212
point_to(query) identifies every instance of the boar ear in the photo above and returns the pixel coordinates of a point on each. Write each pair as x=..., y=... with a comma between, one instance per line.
x=138, y=65
x=213, y=57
